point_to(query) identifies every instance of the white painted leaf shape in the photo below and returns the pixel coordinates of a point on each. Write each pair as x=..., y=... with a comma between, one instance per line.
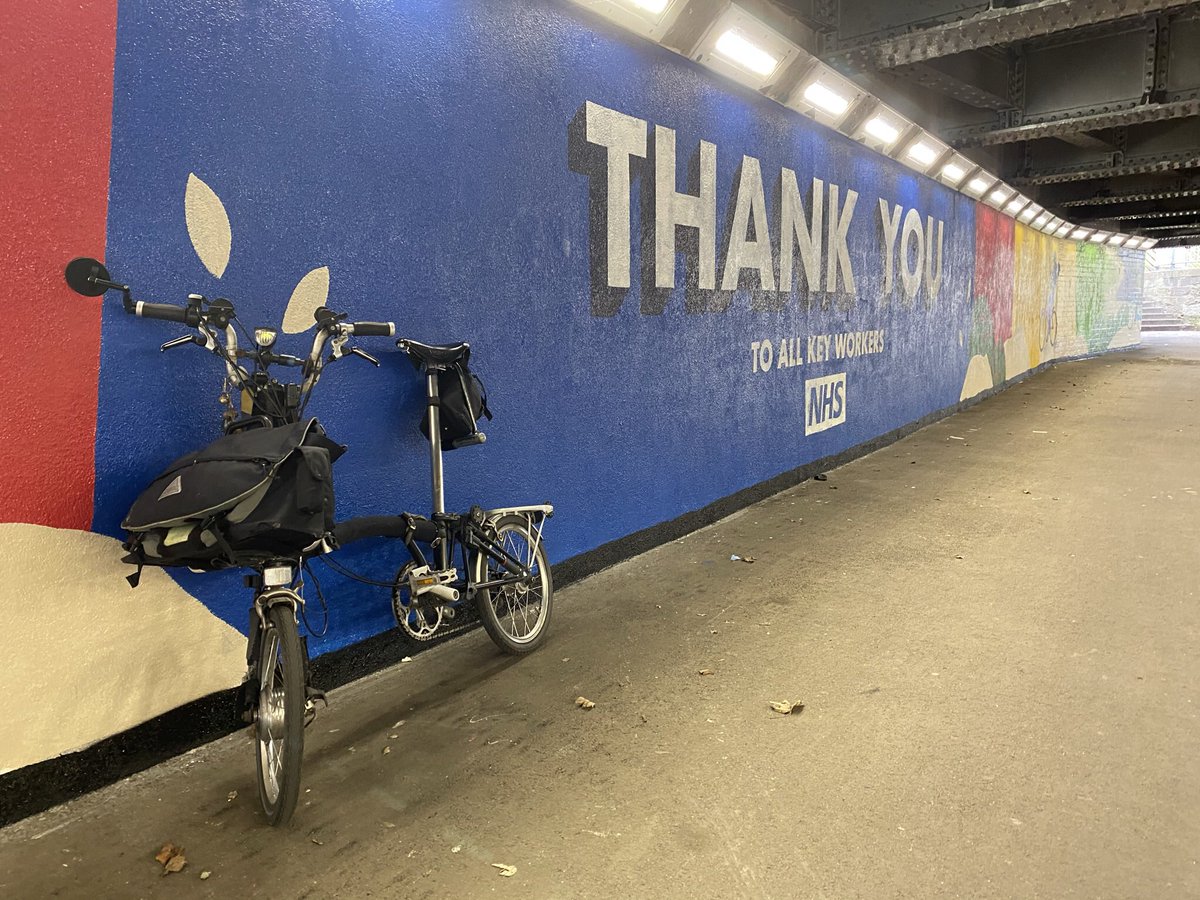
x=310, y=293
x=207, y=225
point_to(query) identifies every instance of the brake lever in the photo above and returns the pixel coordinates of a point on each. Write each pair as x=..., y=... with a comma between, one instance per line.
x=179, y=342
x=365, y=355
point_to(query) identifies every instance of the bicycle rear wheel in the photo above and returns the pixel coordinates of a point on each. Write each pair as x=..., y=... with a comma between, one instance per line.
x=515, y=616
x=279, y=724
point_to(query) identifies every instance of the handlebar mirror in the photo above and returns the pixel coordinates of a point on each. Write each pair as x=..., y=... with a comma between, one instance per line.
x=82, y=275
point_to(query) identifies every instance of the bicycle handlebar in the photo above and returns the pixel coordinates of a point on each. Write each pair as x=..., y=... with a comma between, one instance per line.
x=372, y=329
x=168, y=311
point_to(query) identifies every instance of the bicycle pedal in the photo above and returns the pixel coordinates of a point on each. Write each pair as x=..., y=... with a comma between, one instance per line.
x=311, y=693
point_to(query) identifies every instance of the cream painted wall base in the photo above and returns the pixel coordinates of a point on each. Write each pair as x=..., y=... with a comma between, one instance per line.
x=1126, y=337
x=978, y=378
x=88, y=656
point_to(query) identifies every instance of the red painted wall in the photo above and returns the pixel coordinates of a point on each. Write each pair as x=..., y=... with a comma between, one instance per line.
x=56, y=105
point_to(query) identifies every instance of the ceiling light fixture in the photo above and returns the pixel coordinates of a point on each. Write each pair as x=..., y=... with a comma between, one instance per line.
x=830, y=101
x=881, y=130
x=655, y=7
x=954, y=174
x=745, y=53
x=922, y=153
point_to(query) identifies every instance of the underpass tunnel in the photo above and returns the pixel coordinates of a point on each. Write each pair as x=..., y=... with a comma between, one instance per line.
x=702, y=251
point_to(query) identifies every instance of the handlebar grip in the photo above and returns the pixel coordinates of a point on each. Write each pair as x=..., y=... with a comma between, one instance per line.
x=373, y=329
x=166, y=311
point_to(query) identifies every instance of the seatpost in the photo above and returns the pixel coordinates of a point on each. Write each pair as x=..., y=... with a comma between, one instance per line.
x=435, y=439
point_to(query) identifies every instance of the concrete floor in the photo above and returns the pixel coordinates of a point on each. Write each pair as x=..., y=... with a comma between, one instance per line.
x=993, y=626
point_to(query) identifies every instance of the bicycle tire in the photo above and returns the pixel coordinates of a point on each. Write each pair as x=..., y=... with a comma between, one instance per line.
x=279, y=722
x=495, y=605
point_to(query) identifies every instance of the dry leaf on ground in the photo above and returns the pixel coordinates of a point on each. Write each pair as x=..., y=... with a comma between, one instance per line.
x=204, y=876
x=168, y=850
x=787, y=707
x=705, y=672
x=505, y=871
x=584, y=703
x=175, y=863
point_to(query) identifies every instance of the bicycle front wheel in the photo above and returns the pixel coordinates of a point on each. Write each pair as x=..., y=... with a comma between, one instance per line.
x=515, y=615
x=279, y=726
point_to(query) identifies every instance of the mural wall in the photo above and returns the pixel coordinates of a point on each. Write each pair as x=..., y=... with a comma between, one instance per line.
x=674, y=290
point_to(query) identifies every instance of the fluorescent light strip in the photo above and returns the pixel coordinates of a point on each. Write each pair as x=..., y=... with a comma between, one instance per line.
x=737, y=49
x=953, y=173
x=880, y=129
x=922, y=153
x=999, y=195
x=654, y=7
x=1079, y=234
x=830, y=101
x=978, y=185
x=1098, y=237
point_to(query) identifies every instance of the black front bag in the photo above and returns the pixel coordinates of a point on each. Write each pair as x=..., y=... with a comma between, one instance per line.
x=245, y=497
x=463, y=402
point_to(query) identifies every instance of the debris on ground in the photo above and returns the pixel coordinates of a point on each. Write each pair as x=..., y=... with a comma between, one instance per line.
x=584, y=703
x=171, y=858
x=787, y=707
x=457, y=848
x=505, y=871
x=406, y=659
x=204, y=876
x=745, y=559
x=955, y=437
x=821, y=477
x=231, y=796
x=387, y=749
x=705, y=672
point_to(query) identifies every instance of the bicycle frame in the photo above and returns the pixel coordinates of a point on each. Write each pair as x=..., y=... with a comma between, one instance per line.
x=469, y=531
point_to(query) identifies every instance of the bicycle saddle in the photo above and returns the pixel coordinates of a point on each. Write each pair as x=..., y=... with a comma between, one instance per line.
x=434, y=354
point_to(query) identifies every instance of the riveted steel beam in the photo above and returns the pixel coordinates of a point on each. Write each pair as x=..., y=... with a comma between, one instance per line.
x=1145, y=196
x=1170, y=162
x=1086, y=141
x=1179, y=240
x=964, y=92
x=1178, y=226
x=995, y=27
x=1157, y=214
x=1149, y=112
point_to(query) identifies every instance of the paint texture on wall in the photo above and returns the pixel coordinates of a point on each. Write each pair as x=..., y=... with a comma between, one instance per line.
x=674, y=289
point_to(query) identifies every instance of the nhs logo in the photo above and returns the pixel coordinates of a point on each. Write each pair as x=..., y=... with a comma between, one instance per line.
x=824, y=402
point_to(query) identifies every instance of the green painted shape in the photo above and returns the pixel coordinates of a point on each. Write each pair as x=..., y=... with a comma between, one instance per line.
x=1097, y=274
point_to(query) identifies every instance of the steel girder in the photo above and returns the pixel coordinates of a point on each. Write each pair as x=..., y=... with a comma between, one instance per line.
x=1142, y=197
x=1173, y=162
x=956, y=88
x=1156, y=214
x=980, y=136
x=995, y=27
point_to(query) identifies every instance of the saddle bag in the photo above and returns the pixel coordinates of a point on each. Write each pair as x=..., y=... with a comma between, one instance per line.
x=463, y=402
x=246, y=496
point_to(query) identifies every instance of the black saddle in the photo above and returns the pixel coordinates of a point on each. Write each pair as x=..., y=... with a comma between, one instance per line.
x=434, y=356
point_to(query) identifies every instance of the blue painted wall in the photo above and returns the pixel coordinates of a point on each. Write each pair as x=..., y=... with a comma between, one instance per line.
x=420, y=150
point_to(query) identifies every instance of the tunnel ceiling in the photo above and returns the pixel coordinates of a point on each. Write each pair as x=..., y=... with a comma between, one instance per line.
x=1091, y=107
